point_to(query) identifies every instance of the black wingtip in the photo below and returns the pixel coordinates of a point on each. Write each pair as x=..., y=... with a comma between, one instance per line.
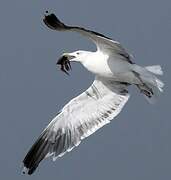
x=53, y=22
x=29, y=171
x=35, y=155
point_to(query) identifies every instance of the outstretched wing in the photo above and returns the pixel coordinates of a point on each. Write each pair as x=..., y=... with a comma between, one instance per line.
x=102, y=42
x=81, y=117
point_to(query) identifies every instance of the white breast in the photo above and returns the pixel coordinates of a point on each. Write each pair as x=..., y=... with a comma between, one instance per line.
x=97, y=63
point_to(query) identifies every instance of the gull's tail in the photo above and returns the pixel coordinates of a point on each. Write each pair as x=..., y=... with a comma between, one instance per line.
x=150, y=85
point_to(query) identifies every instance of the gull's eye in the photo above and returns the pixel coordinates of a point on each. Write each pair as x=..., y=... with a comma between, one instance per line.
x=78, y=53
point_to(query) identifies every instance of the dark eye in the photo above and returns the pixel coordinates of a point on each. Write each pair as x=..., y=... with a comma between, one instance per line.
x=78, y=53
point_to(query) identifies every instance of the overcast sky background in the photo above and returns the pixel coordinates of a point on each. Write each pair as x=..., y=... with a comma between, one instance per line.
x=136, y=145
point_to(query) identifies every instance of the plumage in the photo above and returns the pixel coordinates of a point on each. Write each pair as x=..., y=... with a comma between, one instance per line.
x=100, y=103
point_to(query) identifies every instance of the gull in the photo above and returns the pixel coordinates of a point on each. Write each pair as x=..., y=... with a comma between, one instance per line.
x=114, y=71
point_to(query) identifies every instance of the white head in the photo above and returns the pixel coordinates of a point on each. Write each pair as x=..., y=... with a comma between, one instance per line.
x=78, y=56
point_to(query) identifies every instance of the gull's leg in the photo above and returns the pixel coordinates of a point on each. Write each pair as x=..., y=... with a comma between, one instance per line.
x=145, y=90
x=143, y=87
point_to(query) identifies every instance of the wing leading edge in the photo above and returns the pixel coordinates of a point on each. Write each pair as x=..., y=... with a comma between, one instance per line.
x=102, y=42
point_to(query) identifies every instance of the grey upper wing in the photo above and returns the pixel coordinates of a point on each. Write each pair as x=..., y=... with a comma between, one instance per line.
x=102, y=42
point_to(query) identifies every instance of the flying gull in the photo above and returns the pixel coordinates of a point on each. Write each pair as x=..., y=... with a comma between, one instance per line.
x=114, y=71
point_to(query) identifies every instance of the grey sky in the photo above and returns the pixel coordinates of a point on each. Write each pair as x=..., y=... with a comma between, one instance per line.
x=136, y=145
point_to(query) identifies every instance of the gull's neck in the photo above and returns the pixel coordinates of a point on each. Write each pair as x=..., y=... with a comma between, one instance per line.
x=95, y=62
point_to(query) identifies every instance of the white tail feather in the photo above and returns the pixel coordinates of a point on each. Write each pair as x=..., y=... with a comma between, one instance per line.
x=156, y=69
x=160, y=84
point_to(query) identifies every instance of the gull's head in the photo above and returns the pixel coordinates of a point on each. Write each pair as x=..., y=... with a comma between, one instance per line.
x=66, y=58
x=78, y=56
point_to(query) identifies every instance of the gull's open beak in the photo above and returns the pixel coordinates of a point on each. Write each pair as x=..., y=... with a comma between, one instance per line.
x=64, y=61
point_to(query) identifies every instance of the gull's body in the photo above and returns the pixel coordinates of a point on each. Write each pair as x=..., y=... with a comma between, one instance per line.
x=114, y=71
x=109, y=67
